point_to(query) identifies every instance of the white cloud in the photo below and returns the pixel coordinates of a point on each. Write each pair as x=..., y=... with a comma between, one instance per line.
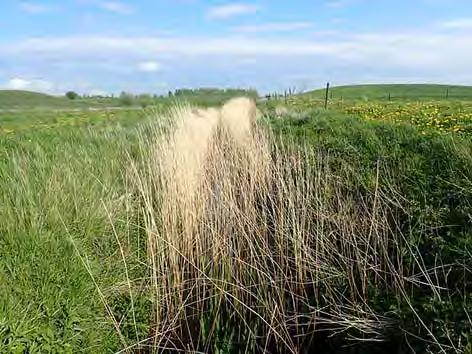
x=149, y=66
x=104, y=47
x=223, y=12
x=343, y=55
x=461, y=24
x=407, y=48
x=18, y=83
x=274, y=27
x=35, y=8
x=116, y=7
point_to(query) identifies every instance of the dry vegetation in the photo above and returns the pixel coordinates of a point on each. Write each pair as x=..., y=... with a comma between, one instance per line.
x=253, y=246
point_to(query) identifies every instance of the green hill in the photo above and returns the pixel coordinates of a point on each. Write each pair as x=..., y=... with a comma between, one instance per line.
x=11, y=99
x=16, y=99
x=397, y=91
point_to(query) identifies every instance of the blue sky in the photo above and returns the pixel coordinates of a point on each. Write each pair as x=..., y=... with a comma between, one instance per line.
x=106, y=46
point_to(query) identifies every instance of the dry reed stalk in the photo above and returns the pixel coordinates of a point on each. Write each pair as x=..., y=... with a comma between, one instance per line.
x=245, y=233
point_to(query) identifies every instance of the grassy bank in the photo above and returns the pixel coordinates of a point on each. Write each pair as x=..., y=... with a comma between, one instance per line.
x=426, y=178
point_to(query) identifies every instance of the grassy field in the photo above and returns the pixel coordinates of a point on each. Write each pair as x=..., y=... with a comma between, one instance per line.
x=344, y=231
x=428, y=116
x=400, y=92
x=11, y=100
x=25, y=100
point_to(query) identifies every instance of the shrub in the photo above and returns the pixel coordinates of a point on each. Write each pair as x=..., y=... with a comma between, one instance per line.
x=72, y=95
x=126, y=99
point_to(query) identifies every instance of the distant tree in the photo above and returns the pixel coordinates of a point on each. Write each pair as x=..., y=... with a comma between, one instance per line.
x=126, y=99
x=144, y=100
x=72, y=95
x=145, y=96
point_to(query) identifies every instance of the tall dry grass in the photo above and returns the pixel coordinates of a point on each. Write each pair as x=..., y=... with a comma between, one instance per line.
x=256, y=246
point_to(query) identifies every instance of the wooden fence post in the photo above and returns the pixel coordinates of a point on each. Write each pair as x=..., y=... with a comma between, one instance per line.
x=327, y=96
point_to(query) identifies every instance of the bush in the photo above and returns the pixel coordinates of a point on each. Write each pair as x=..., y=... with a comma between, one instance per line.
x=72, y=95
x=126, y=99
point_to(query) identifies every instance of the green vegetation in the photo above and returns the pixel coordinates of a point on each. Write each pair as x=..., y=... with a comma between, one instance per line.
x=428, y=116
x=397, y=92
x=427, y=181
x=126, y=99
x=21, y=100
x=17, y=123
x=366, y=190
x=72, y=95
x=54, y=186
x=24, y=100
x=212, y=96
x=16, y=99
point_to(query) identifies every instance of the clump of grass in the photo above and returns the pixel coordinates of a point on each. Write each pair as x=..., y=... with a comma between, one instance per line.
x=254, y=246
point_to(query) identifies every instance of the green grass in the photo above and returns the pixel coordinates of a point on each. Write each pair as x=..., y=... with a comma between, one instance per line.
x=396, y=92
x=19, y=122
x=14, y=100
x=69, y=215
x=211, y=96
x=10, y=99
x=62, y=179
x=429, y=116
x=430, y=176
x=53, y=184
x=25, y=100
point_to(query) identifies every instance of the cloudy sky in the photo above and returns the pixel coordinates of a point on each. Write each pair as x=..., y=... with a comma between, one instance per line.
x=96, y=46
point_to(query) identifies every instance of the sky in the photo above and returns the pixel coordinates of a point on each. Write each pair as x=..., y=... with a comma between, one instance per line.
x=153, y=46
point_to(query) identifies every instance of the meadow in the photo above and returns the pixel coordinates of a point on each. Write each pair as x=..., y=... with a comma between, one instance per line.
x=167, y=229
